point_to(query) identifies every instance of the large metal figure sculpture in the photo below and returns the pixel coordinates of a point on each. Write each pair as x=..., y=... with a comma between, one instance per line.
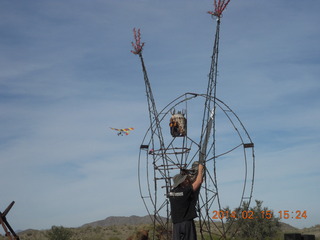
x=171, y=145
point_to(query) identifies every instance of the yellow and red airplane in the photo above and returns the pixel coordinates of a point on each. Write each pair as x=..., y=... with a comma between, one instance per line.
x=123, y=131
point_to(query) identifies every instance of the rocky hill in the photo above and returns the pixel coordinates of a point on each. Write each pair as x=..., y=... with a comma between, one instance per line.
x=118, y=228
x=116, y=221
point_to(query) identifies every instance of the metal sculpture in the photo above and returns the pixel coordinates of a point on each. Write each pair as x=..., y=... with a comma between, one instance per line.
x=10, y=234
x=178, y=149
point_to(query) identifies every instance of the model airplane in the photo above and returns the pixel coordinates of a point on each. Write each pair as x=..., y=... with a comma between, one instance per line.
x=123, y=131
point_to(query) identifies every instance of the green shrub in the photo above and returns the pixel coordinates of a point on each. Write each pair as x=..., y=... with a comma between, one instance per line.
x=114, y=238
x=256, y=223
x=59, y=233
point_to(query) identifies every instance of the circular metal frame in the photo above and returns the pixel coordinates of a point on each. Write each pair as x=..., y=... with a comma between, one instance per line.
x=229, y=164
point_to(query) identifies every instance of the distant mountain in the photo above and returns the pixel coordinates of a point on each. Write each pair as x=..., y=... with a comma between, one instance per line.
x=287, y=228
x=136, y=220
x=115, y=221
x=123, y=229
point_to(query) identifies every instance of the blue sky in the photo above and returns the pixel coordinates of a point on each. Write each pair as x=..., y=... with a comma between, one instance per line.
x=67, y=75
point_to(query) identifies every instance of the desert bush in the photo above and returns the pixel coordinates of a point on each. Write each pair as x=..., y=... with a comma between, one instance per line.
x=59, y=233
x=256, y=223
x=114, y=238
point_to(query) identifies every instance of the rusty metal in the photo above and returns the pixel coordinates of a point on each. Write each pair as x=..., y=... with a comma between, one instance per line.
x=9, y=232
